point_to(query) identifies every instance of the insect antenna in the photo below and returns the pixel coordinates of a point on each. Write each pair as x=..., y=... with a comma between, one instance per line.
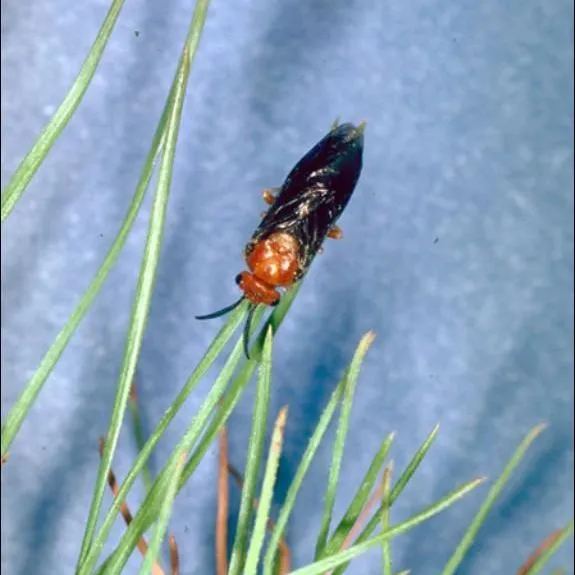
x=223, y=311
x=251, y=310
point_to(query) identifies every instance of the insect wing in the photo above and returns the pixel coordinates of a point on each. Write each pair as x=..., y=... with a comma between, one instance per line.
x=316, y=191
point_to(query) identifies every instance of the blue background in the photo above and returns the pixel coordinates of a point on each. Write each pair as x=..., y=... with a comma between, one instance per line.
x=458, y=252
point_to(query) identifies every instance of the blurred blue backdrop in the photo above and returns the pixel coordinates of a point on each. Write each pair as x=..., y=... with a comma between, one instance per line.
x=458, y=252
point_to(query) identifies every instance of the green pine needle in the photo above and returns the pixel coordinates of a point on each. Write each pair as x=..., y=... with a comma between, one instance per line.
x=265, y=500
x=24, y=403
x=149, y=508
x=41, y=148
x=174, y=474
x=210, y=356
x=142, y=301
x=494, y=492
x=413, y=465
x=360, y=499
x=340, y=438
x=300, y=474
x=255, y=453
x=397, y=490
x=146, y=515
x=231, y=398
x=343, y=557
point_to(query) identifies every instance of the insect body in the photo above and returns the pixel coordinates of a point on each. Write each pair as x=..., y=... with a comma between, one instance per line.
x=303, y=213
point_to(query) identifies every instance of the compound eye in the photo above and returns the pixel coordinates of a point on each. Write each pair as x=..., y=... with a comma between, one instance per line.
x=238, y=279
x=275, y=303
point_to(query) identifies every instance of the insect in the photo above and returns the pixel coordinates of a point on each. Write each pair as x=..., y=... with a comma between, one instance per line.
x=303, y=213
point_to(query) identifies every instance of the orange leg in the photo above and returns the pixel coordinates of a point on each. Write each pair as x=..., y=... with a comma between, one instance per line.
x=269, y=195
x=336, y=233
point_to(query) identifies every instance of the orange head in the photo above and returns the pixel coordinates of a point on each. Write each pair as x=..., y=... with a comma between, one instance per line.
x=257, y=291
x=273, y=262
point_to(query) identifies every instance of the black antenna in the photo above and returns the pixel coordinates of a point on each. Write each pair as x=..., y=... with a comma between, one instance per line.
x=247, y=327
x=223, y=311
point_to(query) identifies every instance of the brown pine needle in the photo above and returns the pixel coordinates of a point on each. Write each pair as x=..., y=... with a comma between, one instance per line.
x=543, y=546
x=223, y=507
x=285, y=555
x=174, y=556
x=386, y=546
x=365, y=513
x=133, y=393
x=142, y=545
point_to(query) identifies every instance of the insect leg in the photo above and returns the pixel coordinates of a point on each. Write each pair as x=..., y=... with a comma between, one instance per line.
x=269, y=195
x=335, y=233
